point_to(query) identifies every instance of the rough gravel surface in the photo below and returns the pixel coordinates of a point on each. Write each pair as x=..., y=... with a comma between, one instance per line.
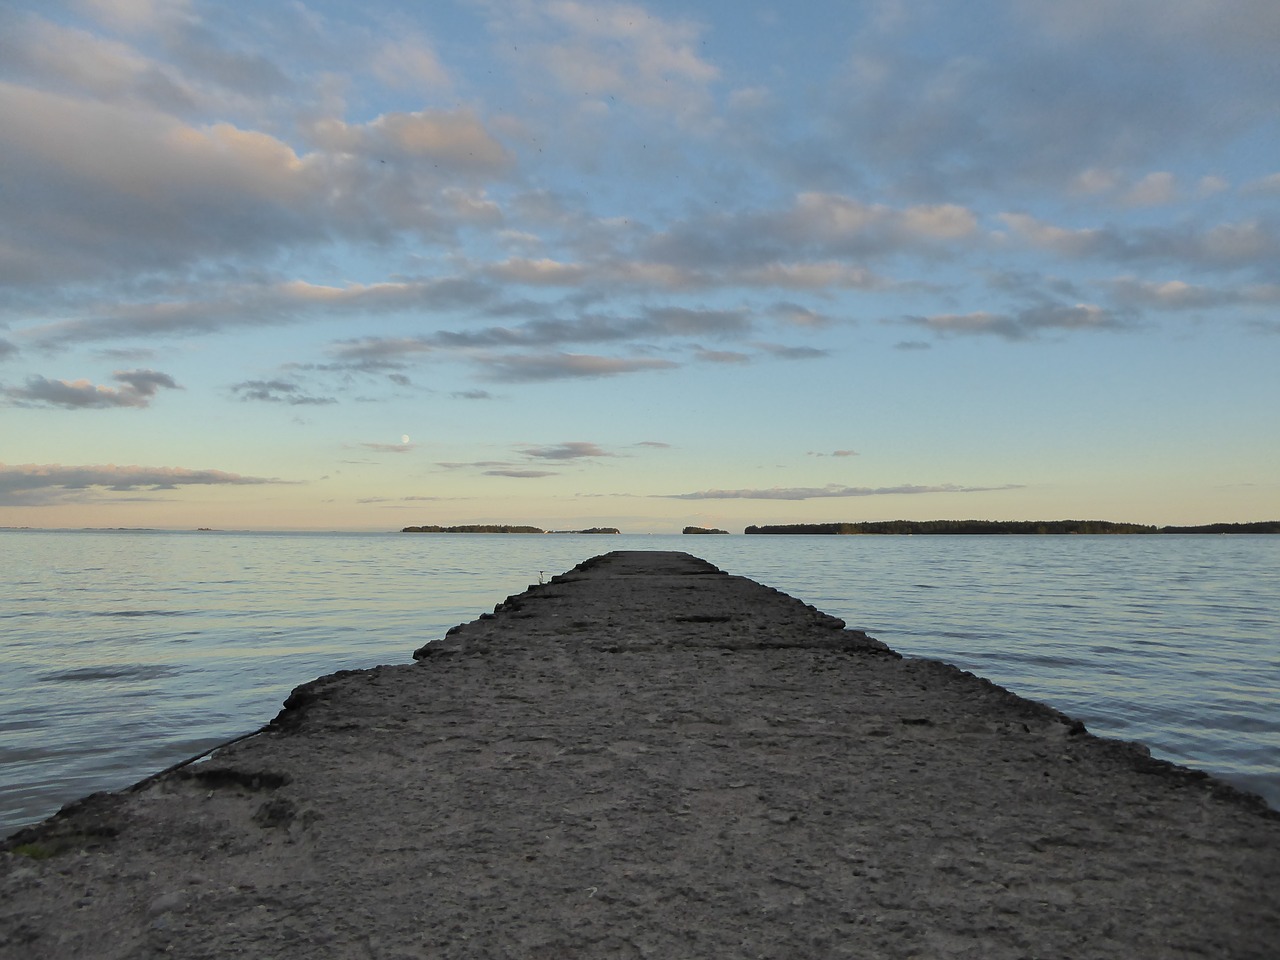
x=646, y=757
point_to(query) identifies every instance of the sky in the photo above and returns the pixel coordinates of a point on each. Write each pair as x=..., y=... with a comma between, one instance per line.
x=320, y=264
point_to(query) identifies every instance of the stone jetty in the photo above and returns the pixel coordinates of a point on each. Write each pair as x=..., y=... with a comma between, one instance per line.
x=646, y=757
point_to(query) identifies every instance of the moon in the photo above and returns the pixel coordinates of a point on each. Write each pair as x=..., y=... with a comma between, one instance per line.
x=404, y=438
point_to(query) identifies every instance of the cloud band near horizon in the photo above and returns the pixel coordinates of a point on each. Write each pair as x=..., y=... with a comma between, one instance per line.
x=829, y=491
x=35, y=484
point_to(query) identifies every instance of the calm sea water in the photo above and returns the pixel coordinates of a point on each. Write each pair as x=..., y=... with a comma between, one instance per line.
x=124, y=652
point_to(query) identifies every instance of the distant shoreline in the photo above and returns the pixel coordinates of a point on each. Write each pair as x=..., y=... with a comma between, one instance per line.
x=907, y=528
x=500, y=528
x=1009, y=527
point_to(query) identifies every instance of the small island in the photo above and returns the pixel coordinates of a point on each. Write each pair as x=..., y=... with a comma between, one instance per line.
x=702, y=530
x=1003, y=527
x=498, y=528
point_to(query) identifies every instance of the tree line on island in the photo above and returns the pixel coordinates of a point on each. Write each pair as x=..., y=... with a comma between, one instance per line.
x=934, y=527
x=901, y=527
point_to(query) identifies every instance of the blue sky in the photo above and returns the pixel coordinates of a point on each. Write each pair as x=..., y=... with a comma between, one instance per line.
x=355, y=266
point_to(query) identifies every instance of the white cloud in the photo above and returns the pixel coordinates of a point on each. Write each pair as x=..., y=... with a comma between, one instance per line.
x=783, y=352
x=540, y=272
x=1095, y=181
x=1060, y=240
x=1053, y=92
x=1210, y=184
x=1241, y=244
x=69, y=60
x=46, y=484
x=277, y=391
x=139, y=386
x=137, y=15
x=410, y=63
x=830, y=491
x=832, y=217
x=455, y=138
x=1023, y=324
x=816, y=233
x=1267, y=184
x=1181, y=295
x=572, y=450
x=112, y=188
x=1239, y=28
x=1244, y=242
x=722, y=356
x=1153, y=190
x=820, y=275
x=532, y=368
x=604, y=51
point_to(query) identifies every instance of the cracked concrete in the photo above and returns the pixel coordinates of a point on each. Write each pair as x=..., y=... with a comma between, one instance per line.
x=648, y=758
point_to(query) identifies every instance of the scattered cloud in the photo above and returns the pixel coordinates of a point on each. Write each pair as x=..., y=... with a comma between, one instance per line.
x=1180, y=295
x=37, y=485
x=573, y=450
x=601, y=53
x=474, y=464
x=528, y=456
x=534, y=368
x=798, y=315
x=1241, y=244
x=519, y=473
x=378, y=354
x=108, y=186
x=834, y=453
x=760, y=247
x=411, y=63
x=783, y=352
x=1053, y=89
x=277, y=391
x=830, y=491
x=654, y=322
x=1268, y=184
x=139, y=386
x=540, y=272
x=1024, y=324
x=402, y=447
x=1153, y=190
x=455, y=139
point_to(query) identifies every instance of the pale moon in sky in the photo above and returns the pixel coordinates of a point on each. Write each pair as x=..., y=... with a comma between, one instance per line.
x=404, y=438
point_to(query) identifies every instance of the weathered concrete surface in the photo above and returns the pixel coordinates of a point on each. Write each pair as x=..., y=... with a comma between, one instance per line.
x=647, y=758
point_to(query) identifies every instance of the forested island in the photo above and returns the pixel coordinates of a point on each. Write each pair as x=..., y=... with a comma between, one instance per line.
x=703, y=530
x=499, y=528
x=924, y=527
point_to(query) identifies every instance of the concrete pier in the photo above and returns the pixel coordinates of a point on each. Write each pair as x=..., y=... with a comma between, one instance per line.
x=646, y=757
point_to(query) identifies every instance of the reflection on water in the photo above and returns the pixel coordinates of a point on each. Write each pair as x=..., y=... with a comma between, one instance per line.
x=124, y=652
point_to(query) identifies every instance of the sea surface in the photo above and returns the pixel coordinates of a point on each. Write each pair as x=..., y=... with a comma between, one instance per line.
x=123, y=652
